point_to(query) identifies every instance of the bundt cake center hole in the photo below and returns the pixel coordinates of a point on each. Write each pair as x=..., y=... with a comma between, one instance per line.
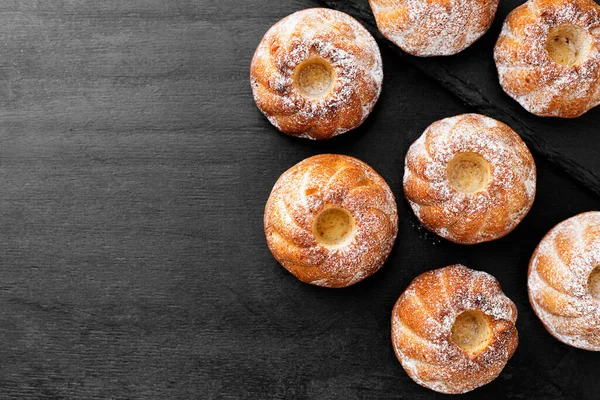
x=568, y=44
x=333, y=227
x=314, y=78
x=468, y=172
x=471, y=331
x=594, y=283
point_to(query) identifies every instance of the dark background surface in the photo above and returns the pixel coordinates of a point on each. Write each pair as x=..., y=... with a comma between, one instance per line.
x=135, y=168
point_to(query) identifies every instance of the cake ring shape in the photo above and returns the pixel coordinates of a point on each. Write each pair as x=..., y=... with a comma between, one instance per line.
x=548, y=57
x=317, y=73
x=564, y=281
x=469, y=179
x=331, y=220
x=433, y=27
x=453, y=330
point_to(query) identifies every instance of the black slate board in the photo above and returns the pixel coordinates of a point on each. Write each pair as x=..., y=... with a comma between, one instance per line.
x=135, y=168
x=471, y=76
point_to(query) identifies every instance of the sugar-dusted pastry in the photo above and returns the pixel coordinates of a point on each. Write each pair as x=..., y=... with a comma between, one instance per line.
x=331, y=220
x=564, y=281
x=316, y=74
x=453, y=330
x=433, y=27
x=548, y=59
x=469, y=178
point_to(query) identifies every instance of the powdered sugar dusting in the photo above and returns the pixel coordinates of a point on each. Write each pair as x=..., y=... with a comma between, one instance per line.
x=557, y=282
x=422, y=341
x=527, y=72
x=309, y=187
x=433, y=28
x=345, y=45
x=469, y=217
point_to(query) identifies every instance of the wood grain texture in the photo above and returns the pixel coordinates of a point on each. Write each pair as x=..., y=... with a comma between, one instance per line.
x=135, y=168
x=472, y=77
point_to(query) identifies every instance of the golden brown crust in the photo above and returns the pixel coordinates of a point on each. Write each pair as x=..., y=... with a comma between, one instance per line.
x=558, y=281
x=528, y=73
x=433, y=27
x=469, y=218
x=344, y=44
x=309, y=187
x=422, y=320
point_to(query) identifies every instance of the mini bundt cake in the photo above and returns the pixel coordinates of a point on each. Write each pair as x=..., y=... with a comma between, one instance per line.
x=316, y=74
x=564, y=281
x=469, y=179
x=331, y=220
x=547, y=56
x=453, y=330
x=433, y=27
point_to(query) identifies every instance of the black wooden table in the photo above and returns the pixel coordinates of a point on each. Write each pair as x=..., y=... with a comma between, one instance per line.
x=135, y=168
